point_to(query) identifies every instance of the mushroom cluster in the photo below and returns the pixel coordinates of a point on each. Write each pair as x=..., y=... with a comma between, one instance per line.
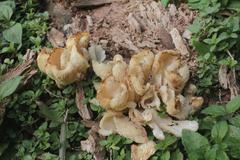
x=66, y=65
x=131, y=93
x=140, y=89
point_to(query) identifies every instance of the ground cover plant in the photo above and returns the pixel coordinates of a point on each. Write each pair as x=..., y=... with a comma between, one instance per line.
x=39, y=120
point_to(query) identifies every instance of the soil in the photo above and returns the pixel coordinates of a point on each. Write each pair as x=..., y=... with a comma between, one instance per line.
x=123, y=27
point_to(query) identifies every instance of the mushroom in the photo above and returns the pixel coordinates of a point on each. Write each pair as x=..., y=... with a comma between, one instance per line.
x=66, y=65
x=116, y=122
x=159, y=124
x=139, y=70
x=143, y=151
x=150, y=99
x=168, y=69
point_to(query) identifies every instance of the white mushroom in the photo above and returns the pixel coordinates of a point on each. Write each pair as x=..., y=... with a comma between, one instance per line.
x=143, y=151
x=159, y=124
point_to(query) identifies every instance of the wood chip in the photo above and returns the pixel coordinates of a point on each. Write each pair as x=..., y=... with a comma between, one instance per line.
x=83, y=110
x=178, y=42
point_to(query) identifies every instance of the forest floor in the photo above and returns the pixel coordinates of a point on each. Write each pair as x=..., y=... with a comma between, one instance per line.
x=41, y=121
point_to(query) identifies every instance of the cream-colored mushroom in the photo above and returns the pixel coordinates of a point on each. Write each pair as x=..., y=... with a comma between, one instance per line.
x=159, y=124
x=168, y=69
x=113, y=94
x=65, y=65
x=115, y=122
x=188, y=104
x=143, y=151
x=139, y=70
x=150, y=99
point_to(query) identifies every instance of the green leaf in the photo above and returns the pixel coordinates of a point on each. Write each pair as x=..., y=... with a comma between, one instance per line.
x=221, y=155
x=165, y=156
x=9, y=3
x=165, y=2
x=214, y=110
x=7, y=87
x=211, y=154
x=235, y=121
x=201, y=47
x=234, y=5
x=50, y=114
x=177, y=155
x=13, y=34
x=196, y=26
x=195, y=144
x=219, y=131
x=232, y=140
x=5, y=12
x=233, y=105
x=163, y=144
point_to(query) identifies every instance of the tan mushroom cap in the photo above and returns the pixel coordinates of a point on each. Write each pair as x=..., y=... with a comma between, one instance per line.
x=115, y=122
x=65, y=65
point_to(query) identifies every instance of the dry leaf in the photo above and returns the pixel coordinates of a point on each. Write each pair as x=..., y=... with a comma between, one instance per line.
x=56, y=38
x=92, y=145
x=83, y=110
x=21, y=68
x=143, y=151
x=222, y=76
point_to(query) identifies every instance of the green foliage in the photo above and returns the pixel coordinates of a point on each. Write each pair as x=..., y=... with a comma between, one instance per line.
x=165, y=2
x=118, y=145
x=215, y=38
x=7, y=87
x=168, y=149
x=220, y=139
x=13, y=34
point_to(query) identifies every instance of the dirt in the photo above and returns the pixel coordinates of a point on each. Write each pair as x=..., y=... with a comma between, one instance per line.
x=124, y=27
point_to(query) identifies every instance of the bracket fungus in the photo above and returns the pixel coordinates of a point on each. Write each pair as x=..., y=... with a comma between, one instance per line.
x=66, y=65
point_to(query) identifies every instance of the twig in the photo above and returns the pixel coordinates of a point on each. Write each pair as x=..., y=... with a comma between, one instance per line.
x=62, y=150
